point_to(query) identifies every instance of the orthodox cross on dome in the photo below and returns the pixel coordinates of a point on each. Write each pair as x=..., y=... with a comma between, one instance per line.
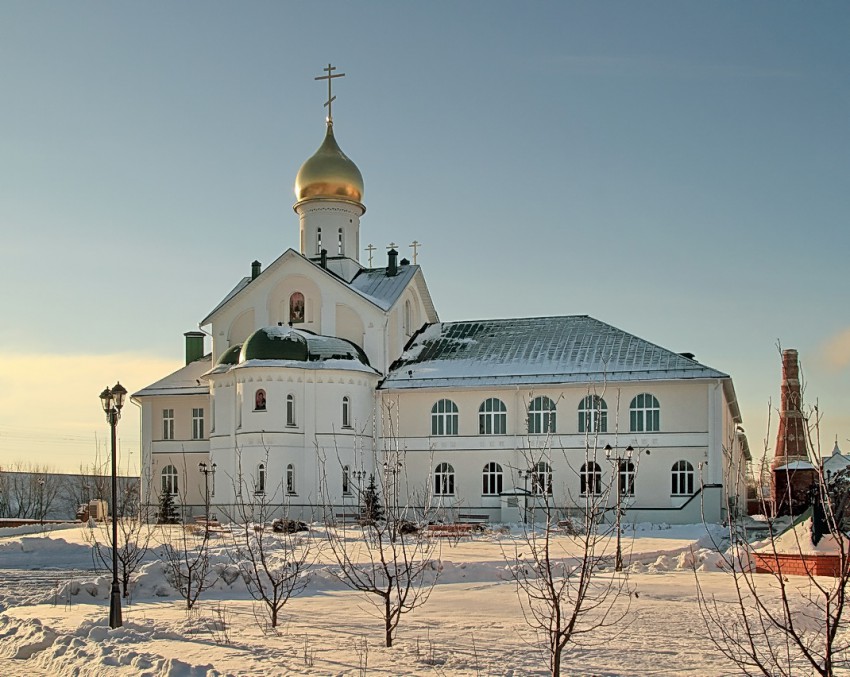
x=392, y=245
x=415, y=247
x=329, y=77
x=371, y=248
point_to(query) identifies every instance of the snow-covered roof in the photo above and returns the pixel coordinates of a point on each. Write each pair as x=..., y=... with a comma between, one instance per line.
x=539, y=350
x=380, y=289
x=184, y=381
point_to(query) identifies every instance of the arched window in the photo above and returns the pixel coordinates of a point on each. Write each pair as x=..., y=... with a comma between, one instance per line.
x=318, y=241
x=444, y=418
x=260, y=486
x=290, y=410
x=444, y=480
x=644, y=414
x=593, y=415
x=626, y=478
x=541, y=479
x=346, y=481
x=346, y=412
x=296, y=308
x=406, y=321
x=541, y=416
x=339, y=243
x=492, y=417
x=682, y=479
x=260, y=400
x=290, y=479
x=169, y=480
x=591, y=479
x=492, y=479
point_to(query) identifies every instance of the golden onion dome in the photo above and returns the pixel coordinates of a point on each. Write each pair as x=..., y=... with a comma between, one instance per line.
x=329, y=173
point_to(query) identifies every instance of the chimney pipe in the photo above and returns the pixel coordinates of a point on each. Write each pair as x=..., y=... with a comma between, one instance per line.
x=194, y=345
x=256, y=269
x=324, y=258
x=392, y=263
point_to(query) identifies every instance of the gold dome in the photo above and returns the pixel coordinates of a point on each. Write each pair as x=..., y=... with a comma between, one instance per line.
x=329, y=174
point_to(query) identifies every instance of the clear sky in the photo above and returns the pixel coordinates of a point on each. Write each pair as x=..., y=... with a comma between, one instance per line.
x=680, y=170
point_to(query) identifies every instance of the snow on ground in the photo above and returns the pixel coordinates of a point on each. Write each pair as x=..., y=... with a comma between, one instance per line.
x=472, y=624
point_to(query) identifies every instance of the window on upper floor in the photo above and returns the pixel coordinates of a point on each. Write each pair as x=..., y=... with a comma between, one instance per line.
x=541, y=416
x=168, y=424
x=318, y=241
x=593, y=415
x=492, y=417
x=444, y=418
x=644, y=414
x=682, y=476
x=169, y=480
x=492, y=477
x=346, y=481
x=407, y=319
x=346, y=412
x=198, y=423
x=444, y=480
x=339, y=243
x=590, y=479
x=290, y=411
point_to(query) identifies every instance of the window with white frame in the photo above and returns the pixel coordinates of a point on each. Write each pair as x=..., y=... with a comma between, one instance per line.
x=318, y=241
x=406, y=319
x=198, y=423
x=590, y=478
x=444, y=418
x=290, y=479
x=541, y=416
x=593, y=415
x=260, y=486
x=444, y=480
x=682, y=477
x=169, y=480
x=492, y=417
x=346, y=412
x=492, y=479
x=346, y=481
x=541, y=479
x=339, y=243
x=290, y=411
x=626, y=478
x=644, y=414
x=168, y=424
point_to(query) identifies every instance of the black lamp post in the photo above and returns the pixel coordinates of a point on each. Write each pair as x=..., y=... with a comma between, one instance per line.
x=112, y=401
x=617, y=461
x=207, y=470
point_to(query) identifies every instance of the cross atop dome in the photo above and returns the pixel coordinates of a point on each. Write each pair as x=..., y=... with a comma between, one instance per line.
x=329, y=77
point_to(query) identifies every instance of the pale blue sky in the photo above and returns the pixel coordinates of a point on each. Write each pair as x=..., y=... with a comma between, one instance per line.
x=679, y=170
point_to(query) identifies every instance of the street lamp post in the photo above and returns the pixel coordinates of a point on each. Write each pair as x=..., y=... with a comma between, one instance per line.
x=112, y=401
x=524, y=475
x=207, y=470
x=617, y=461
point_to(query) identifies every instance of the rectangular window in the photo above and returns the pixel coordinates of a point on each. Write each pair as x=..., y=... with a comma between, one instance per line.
x=168, y=424
x=198, y=424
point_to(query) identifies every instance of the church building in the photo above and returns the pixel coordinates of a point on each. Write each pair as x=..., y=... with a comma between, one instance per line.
x=324, y=371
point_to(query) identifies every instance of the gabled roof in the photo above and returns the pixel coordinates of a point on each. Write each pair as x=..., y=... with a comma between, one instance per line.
x=371, y=284
x=184, y=381
x=540, y=350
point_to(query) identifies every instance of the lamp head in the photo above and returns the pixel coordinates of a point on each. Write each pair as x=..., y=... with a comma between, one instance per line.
x=106, y=399
x=119, y=392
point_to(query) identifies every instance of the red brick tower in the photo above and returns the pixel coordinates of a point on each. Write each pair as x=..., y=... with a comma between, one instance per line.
x=792, y=472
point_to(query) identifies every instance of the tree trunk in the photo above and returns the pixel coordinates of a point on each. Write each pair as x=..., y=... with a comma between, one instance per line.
x=388, y=622
x=555, y=667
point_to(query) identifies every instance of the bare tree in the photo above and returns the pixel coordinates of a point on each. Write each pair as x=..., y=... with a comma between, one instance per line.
x=134, y=536
x=28, y=491
x=776, y=623
x=562, y=563
x=386, y=554
x=272, y=555
x=91, y=482
x=185, y=550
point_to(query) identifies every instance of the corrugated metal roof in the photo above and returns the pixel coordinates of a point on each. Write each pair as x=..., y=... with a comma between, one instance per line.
x=377, y=287
x=539, y=350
